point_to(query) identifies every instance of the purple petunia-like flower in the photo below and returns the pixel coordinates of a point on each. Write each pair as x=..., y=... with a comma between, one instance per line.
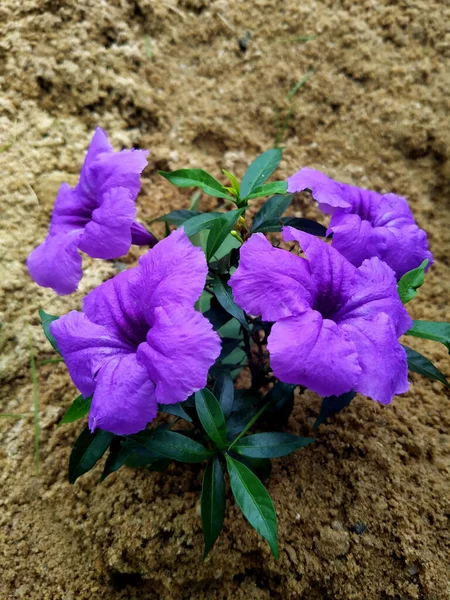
x=336, y=326
x=96, y=217
x=365, y=223
x=139, y=341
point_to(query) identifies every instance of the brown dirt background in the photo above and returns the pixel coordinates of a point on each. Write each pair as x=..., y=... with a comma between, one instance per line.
x=169, y=76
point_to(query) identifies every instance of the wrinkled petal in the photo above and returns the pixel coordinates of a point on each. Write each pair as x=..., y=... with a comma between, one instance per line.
x=108, y=233
x=330, y=271
x=140, y=236
x=124, y=399
x=180, y=349
x=374, y=290
x=119, y=169
x=383, y=360
x=407, y=248
x=69, y=212
x=56, y=263
x=85, y=346
x=99, y=145
x=328, y=193
x=271, y=282
x=311, y=351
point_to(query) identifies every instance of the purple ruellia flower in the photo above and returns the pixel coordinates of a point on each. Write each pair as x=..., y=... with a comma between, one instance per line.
x=139, y=341
x=336, y=326
x=365, y=223
x=97, y=216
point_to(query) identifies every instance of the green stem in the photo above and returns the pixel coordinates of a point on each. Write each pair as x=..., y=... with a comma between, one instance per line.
x=249, y=424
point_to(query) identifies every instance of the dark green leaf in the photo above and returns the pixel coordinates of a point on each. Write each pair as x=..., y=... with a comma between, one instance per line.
x=239, y=419
x=178, y=217
x=410, y=281
x=77, y=410
x=332, y=405
x=200, y=222
x=307, y=225
x=212, y=503
x=228, y=345
x=260, y=170
x=261, y=467
x=217, y=315
x=160, y=443
x=275, y=187
x=254, y=501
x=87, y=450
x=421, y=365
x=224, y=392
x=211, y=416
x=270, y=445
x=270, y=213
x=197, y=178
x=176, y=410
x=431, y=330
x=281, y=397
x=46, y=320
x=117, y=457
x=220, y=230
x=224, y=295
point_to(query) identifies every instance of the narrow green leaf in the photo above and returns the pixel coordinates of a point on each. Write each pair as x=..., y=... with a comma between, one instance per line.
x=77, y=410
x=307, y=225
x=331, y=405
x=212, y=503
x=411, y=281
x=87, y=450
x=275, y=187
x=46, y=320
x=175, y=409
x=299, y=85
x=224, y=392
x=200, y=222
x=234, y=181
x=254, y=501
x=261, y=467
x=421, y=365
x=224, y=295
x=197, y=178
x=178, y=217
x=431, y=330
x=117, y=457
x=211, y=416
x=260, y=170
x=270, y=445
x=217, y=315
x=220, y=230
x=228, y=346
x=270, y=213
x=160, y=443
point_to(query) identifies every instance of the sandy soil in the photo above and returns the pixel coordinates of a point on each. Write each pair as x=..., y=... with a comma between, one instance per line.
x=364, y=512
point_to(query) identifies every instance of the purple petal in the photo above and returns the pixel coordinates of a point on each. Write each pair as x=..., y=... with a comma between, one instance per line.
x=271, y=282
x=56, y=263
x=108, y=233
x=383, y=360
x=119, y=169
x=181, y=347
x=329, y=193
x=99, y=146
x=85, y=346
x=407, y=248
x=124, y=398
x=140, y=236
x=69, y=212
x=311, y=351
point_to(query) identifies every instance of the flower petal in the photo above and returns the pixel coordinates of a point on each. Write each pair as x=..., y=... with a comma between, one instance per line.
x=69, y=212
x=99, y=146
x=140, y=236
x=271, y=282
x=85, y=346
x=383, y=360
x=328, y=193
x=180, y=349
x=56, y=263
x=108, y=233
x=119, y=169
x=311, y=351
x=124, y=399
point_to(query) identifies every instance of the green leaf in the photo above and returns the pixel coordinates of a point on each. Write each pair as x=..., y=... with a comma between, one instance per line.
x=217, y=315
x=254, y=501
x=421, y=365
x=431, y=330
x=220, y=229
x=261, y=467
x=178, y=217
x=160, y=443
x=260, y=170
x=200, y=222
x=224, y=392
x=299, y=85
x=224, y=295
x=270, y=445
x=281, y=398
x=275, y=187
x=211, y=416
x=234, y=181
x=87, y=450
x=212, y=503
x=307, y=225
x=197, y=178
x=270, y=213
x=331, y=405
x=176, y=410
x=77, y=410
x=410, y=281
x=228, y=346
x=46, y=320
x=117, y=457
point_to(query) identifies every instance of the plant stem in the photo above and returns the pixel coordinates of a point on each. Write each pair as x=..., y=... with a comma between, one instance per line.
x=249, y=424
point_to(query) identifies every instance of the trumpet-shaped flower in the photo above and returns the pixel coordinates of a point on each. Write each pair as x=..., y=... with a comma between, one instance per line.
x=365, y=223
x=336, y=326
x=97, y=216
x=139, y=341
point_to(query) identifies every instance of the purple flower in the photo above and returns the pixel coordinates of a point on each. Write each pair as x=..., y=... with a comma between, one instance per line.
x=139, y=341
x=336, y=326
x=365, y=223
x=96, y=217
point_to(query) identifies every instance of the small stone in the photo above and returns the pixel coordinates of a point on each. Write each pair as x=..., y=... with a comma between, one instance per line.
x=332, y=544
x=359, y=528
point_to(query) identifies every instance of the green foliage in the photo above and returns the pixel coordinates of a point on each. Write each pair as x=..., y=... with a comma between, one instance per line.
x=212, y=503
x=87, y=450
x=431, y=330
x=211, y=417
x=46, y=320
x=224, y=295
x=175, y=409
x=411, y=281
x=270, y=445
x=331, y=405
x=275, y=187
x=421, y=365
x=259, y=171
x=220, y=230
x=77, y=410
x=270, y=213
x=161, y=443
x=197, y=178
x=224, y=392
x=178, y=217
